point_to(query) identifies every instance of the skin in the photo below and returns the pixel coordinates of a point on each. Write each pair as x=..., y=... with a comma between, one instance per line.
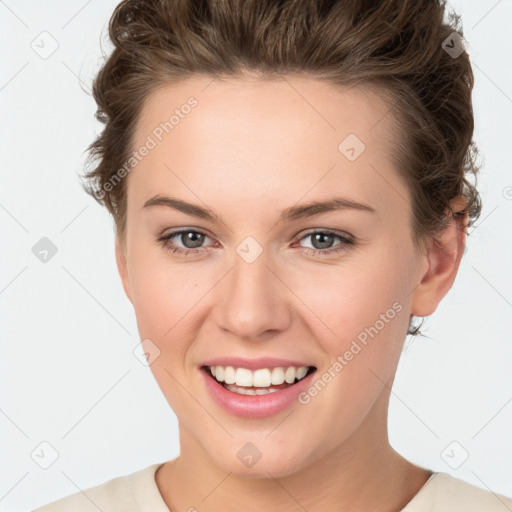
x=250, y=149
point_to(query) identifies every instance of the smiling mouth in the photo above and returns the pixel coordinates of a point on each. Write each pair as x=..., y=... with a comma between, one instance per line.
x=259, y=382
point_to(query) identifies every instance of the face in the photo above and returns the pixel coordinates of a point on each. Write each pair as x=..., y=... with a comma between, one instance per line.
x=257, y=285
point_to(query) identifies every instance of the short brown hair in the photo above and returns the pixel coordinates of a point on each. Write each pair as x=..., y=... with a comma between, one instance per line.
x=403, y=48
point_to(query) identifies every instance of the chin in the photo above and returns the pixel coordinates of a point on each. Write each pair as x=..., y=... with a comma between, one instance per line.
x=254, y=459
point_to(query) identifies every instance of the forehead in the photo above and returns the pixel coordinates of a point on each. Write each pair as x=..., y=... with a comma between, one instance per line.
x=265, y=104
x=291, y=132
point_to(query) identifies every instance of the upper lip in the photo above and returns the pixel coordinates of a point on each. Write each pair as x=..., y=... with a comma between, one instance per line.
x=254, y=364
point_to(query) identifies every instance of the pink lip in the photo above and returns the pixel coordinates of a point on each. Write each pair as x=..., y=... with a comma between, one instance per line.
x=254, y=364
x=254, y=406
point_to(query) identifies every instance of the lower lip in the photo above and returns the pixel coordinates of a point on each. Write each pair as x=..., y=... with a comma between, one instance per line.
x=254, y=406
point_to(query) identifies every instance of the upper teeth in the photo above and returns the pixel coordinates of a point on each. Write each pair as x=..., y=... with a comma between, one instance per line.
x=262, y=378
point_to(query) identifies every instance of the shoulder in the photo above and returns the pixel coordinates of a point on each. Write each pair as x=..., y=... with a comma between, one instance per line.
x=444, y=492
x=121, y=493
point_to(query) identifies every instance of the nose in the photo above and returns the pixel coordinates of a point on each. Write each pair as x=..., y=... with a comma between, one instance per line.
x=252, y=302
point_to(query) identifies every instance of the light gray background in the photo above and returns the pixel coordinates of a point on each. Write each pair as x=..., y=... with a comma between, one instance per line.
x=68, y=373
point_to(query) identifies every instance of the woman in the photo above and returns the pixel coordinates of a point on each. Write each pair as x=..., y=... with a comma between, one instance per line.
x=289, y=184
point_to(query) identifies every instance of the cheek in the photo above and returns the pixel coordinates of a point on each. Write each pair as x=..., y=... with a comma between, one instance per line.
x=169, y=302
x=160, y=295
x=363, y=291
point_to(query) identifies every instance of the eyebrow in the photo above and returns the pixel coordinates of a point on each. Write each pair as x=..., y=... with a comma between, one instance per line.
x=288, y=214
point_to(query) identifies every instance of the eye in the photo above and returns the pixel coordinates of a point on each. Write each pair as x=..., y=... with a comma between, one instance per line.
x=192, y=242
x=322, y=242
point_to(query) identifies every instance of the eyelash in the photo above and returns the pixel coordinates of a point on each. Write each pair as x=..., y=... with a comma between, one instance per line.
x=346, y=240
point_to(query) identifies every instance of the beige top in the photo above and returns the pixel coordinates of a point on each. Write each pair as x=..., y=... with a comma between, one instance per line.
x=138, y=492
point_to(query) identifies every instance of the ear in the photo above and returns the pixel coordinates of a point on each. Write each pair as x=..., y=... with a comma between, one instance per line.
x=442, y=261
x=122, y=267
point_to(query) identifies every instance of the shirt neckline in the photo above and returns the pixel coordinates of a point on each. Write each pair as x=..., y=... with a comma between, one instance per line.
x=146, y=492
x=418, y=497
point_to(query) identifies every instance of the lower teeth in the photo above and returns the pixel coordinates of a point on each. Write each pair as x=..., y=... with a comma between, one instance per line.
x=249, y=391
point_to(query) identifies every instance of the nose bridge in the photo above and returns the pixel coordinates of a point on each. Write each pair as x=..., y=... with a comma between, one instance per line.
x=253, y=301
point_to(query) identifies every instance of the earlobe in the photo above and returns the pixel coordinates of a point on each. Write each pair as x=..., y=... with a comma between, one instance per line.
x=443, y=258
x=122, y=267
